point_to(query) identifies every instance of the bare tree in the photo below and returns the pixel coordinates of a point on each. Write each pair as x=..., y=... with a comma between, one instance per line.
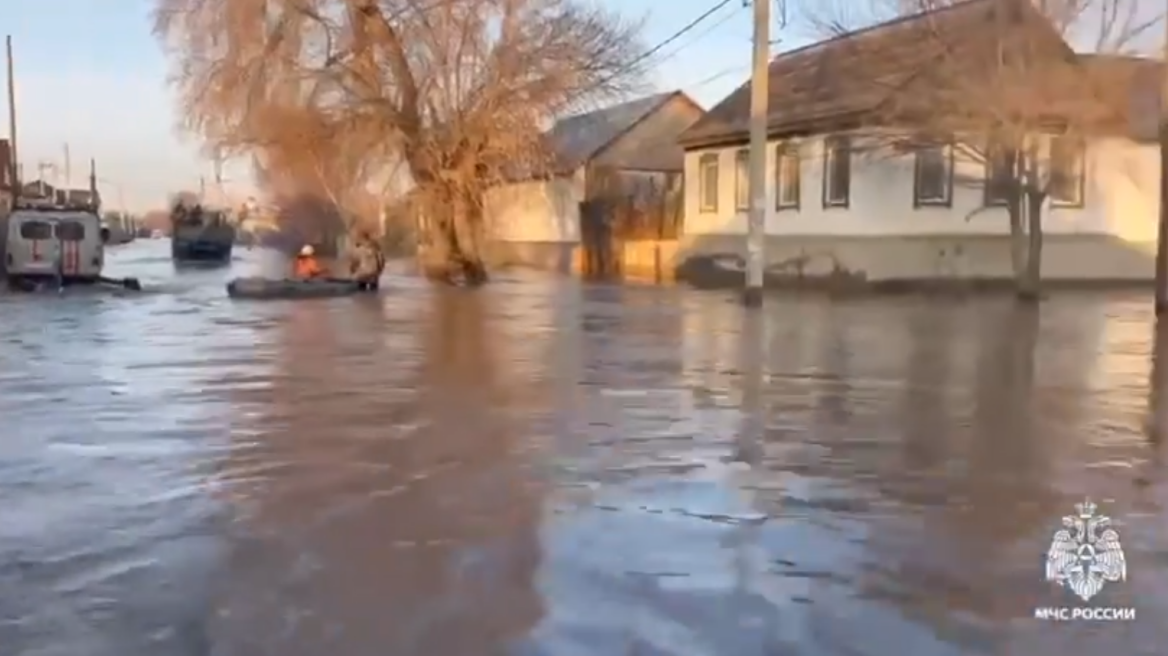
x=315, y=172
x=460, y=90
x=999, y=82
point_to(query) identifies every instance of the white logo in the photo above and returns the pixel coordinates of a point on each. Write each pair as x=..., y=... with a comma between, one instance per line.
x=1086, y=553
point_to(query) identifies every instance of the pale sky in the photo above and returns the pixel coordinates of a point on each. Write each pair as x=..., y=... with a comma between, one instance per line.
x=90, y=73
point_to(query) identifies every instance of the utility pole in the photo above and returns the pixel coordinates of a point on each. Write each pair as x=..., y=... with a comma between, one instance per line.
x=12, y=121
x=759, y=92
x=68, y=170
x=1162, y=236
x=43, y=169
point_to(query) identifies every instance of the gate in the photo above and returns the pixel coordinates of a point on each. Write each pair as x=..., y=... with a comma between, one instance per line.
x=597, y=240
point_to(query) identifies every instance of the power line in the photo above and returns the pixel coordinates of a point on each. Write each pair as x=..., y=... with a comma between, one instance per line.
x=657, y=48
x=700, y=35
x=680, y=33
x=718, y=76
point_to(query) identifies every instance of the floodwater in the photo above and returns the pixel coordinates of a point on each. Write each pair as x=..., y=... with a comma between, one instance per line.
x=549, y=467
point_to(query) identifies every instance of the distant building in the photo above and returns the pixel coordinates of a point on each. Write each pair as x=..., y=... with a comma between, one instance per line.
x=537, y=219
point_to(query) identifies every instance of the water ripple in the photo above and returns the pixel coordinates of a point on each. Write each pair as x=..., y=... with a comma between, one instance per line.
x=550, y=467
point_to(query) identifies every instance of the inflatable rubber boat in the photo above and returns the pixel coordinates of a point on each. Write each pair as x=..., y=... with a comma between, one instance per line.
x=267, y=288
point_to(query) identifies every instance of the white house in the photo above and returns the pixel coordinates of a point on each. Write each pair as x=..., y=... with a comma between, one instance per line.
x=839, y=198
x=537, y=220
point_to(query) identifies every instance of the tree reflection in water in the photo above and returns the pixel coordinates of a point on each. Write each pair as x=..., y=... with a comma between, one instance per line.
x=393, y=515
x=1157, y=421
x=986, y=512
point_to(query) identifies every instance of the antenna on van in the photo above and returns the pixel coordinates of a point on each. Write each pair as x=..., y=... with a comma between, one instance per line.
x=93, y=184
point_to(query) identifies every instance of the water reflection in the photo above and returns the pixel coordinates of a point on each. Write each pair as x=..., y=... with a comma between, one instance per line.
x=1157, y=421
x=926, y=404
x=390, y=508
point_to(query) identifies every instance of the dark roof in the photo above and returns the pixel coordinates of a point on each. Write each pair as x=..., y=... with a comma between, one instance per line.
x=78, y=196
x=854, y=76
x=576, y=139
x=36, y=188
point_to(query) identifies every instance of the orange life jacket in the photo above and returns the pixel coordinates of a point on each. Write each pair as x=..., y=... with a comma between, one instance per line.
x=308, y=267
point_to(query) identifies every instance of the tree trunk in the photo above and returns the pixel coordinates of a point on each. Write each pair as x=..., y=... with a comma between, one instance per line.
x=453, y=249
x=1015, y=209
x=1033, y=198
x=1030, y=290
x=466, y=231
x=435, y=254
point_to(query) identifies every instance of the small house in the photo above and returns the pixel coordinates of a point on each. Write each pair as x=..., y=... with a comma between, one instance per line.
x=626, y=153
x=854, y=184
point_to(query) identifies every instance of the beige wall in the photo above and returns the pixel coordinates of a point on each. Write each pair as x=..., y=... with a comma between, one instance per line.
x=536, y=211
x=538, y=222
x=883, y=236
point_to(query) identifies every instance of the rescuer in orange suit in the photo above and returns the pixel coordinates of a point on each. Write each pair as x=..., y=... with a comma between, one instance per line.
x=307, y=266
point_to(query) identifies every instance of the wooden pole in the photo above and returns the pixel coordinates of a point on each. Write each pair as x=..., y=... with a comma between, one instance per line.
x=759, y=96
x=15, y=172
x=1162, y=236
x=93, y=197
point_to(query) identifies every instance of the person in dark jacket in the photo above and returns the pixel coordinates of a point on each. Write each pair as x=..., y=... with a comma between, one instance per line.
x=366, y=261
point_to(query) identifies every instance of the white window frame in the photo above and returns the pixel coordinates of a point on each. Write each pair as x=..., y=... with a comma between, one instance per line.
x=708, y=183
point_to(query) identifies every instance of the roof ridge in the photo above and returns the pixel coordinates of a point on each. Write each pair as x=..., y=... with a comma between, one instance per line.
x=876, y=27
x=812, y=86
x=660, y=95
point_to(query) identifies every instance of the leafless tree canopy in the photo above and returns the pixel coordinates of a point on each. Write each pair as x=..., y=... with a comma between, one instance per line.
x=327, y=94
x=1103, y=26
x=990, y=67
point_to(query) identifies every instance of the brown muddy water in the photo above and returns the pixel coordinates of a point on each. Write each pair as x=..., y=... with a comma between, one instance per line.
x=550, y=467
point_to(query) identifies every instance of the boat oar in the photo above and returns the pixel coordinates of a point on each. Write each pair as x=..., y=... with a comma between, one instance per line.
x=132, y=284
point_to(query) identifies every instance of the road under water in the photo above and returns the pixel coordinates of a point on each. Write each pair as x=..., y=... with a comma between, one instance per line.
x=550, y=467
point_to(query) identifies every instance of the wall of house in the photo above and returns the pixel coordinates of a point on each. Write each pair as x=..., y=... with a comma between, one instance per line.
x=535, y=223
x=882, y=236
x=651, y=145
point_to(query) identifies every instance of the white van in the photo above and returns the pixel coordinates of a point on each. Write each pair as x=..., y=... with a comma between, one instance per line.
x=53, y=242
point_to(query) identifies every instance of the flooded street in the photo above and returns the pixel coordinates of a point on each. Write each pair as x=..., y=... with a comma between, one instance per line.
x=549, y=467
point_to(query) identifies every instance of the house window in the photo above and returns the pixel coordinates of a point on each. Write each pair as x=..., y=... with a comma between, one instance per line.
x=1065, y=187
x=787, y=177
x=999, y=176
x=837, y=171
x=933, y=176
x=742, y=180
x=708, y=183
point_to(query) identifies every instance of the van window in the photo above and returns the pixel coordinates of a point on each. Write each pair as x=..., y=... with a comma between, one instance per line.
x=36, y=230
x=70, y=231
